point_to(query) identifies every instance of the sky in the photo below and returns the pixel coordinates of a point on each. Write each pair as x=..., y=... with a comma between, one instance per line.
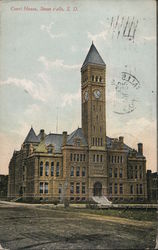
x=43, y=45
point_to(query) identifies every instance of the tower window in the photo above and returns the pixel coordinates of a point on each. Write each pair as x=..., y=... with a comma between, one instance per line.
x=77, y=157
x=110, y=172
x=80, y=157
x=115, y=173
x=141, y=188
x=96, y=78
x=93, y=141
x=101, y=158
x=97, y=158
x=120, y=172
x=100, y=79
x=98, y=141
x=92, y=78
x=74, y=157
x=101, y=141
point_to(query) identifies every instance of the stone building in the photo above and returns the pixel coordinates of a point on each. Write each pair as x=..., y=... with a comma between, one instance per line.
x=85, y=163
x=152, y=186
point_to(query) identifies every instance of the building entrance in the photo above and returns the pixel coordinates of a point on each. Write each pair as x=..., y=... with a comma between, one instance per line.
x=97, y=190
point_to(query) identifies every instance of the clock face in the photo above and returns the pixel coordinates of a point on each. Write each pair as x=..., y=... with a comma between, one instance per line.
x=86, y=96
x=97, y=94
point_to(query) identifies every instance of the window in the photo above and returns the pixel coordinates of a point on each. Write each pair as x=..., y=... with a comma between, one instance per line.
x=93, y=141
x=71, y=187
x=84, y=157
x=136, y=174
x=52, y=168
x=131, y=189
x=110, y=172
x=115, y=158
x=41, y=168
x=121, y=159
x=92, y=78
x=47, y=168
x=57, y=169
x=140, y=175
x=93, y=158
x=60, y=189
x=72, y=171
x=78, y=171
x=121, y=188
x=98, y=141
x=83, y=188
x=96, y=78
x=115, y=172
x=77, y=188
x=141, y=188
x=41, y=187
x=46, y=188
x=80, y=157
x=101, y=158
x=83, y=171
x=118, y=158
x=101, y=141
x=110, y=188
x=97, y=158
x=137, y=189
x=50, y=149
x=115, y=188
x=100, y=129
x=77, y=157
x=100, y=79
x=74, y=157
x=109, y=158
x=112, y=159
x=93, y=107
x=120, y=172
x=70, y=157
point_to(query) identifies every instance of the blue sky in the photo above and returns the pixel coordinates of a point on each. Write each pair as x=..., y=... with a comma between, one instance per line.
x=41, y=56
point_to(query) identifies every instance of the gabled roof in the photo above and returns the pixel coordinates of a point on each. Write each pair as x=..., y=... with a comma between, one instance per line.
x=78, y=133
x=93, y=57
x=31, y=137
x=109, y=142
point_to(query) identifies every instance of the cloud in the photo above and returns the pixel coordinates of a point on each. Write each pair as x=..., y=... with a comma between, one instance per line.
x=36, y=90
x=58, y=64
x=68, y=98
x=48, y=29
x=102, y=35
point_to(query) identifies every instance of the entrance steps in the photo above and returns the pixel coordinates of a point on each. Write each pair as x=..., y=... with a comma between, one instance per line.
x=102, y=200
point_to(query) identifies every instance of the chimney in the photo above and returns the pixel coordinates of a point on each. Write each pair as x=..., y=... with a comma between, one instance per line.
x=121, y=139
x=64, y=138
x=140, y=148
x=42, y=134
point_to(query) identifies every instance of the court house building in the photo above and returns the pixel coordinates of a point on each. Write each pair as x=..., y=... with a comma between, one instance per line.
x=85, y=163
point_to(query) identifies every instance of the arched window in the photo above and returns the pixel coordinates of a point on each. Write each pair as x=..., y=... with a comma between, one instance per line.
x=70, y=157
x=92, y=78
x=78, y=171
x=83, y=171
x=100, y=79
x=41, y=168
x=47, y=168
x=96, y=78
x=110, y=172
x=52, y=168
x=72, y=171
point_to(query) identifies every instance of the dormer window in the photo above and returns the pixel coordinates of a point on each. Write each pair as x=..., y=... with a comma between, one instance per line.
x=77, y=142
x=50, y=149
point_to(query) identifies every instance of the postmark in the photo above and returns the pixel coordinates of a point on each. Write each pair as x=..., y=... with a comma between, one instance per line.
x=126, y=93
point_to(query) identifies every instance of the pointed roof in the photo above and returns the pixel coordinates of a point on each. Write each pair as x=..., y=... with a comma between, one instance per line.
x=79, y=134
x=93, y=57
x=31, y=137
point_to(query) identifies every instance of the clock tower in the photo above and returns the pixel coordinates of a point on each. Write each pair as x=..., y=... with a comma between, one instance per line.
x=93, y=82
x=93, y=99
